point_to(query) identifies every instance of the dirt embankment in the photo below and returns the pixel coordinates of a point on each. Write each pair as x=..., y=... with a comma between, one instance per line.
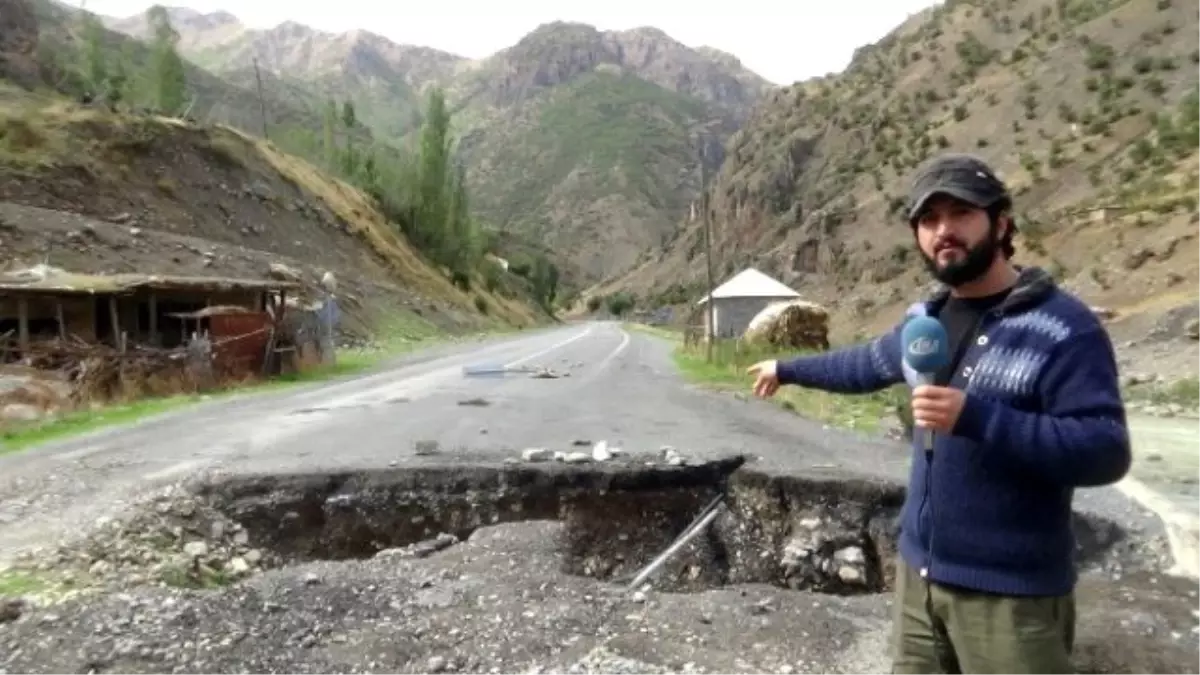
x=158, y=195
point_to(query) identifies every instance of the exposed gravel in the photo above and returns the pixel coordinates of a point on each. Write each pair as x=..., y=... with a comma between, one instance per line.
x=500, y=603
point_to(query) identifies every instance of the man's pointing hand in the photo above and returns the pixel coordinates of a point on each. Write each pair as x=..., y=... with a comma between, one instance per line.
x=766, y=378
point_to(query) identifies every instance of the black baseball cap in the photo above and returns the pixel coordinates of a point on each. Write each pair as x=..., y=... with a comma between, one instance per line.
x=964, y=177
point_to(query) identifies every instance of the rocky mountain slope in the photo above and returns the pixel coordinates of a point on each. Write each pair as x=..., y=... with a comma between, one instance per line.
x=1088, y=108
x=583, y=139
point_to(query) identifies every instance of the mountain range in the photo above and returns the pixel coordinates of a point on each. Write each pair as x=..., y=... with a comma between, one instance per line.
x=587, y=145
x=587, y=141
x=1087, y=108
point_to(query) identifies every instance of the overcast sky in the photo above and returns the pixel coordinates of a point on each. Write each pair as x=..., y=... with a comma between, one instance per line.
x=782, y=41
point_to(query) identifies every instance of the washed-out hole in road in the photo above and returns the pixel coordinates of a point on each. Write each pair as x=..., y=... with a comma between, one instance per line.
x=835, y=535
x=822, y=533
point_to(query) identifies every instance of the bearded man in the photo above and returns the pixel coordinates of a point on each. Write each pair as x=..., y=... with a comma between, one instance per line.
x=1028, y=410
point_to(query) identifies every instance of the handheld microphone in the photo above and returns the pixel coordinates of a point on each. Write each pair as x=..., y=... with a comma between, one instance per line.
x=926, y=351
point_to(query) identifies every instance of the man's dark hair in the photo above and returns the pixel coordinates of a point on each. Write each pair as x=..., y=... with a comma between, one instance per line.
x=1004, y=208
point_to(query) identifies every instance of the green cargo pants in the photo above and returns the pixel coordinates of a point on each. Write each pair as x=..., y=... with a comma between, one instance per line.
x=974, y=632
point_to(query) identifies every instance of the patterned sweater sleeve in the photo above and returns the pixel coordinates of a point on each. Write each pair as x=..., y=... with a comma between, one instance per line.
x=1081, y=437
x=861, y=369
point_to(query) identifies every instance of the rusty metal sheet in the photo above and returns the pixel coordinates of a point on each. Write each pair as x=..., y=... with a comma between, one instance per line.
x=240, y=341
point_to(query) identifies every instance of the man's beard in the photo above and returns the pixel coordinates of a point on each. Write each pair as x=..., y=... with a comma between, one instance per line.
x=972, y=266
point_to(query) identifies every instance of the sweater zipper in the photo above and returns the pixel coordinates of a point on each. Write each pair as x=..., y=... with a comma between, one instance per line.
x=927, y=570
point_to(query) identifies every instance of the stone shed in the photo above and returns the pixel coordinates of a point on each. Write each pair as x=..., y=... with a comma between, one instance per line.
x=739, y=300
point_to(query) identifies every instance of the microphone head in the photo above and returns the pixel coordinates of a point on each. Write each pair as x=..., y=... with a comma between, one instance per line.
x=925, y=343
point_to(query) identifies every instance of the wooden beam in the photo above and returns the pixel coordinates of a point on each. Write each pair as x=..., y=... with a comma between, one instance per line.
x=23, y=323
x=62, y=320
x=114, y=317
x=152, y=306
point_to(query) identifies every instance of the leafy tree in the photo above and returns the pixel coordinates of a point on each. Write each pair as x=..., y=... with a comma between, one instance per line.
x=94, y=64
x=619, y=303
x=544, y=277
x=168, y=77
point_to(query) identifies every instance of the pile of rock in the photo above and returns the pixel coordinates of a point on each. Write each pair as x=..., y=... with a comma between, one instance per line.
x=810, y=559
x=173, y=539
x=796, y=324
x=601, y=451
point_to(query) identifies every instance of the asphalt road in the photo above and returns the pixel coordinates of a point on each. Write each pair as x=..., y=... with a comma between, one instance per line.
x=500, y=599
x=622, y=388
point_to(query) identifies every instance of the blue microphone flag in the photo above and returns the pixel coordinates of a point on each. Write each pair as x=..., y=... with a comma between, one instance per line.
x=924, y=341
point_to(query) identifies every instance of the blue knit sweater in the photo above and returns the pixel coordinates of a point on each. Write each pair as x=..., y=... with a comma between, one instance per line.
x=1043, y=415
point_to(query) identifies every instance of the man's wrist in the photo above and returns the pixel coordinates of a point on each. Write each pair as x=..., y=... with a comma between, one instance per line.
x=785, y=371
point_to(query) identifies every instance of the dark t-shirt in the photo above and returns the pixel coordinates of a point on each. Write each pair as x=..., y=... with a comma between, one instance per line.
x=961, y=316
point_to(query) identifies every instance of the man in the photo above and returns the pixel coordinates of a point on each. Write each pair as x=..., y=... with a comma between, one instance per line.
x=1028, y=410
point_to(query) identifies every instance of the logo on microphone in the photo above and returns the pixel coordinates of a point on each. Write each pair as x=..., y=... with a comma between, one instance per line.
x=922, y=346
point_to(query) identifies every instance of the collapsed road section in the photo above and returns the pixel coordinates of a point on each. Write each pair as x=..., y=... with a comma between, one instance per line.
x=514, y=567
x=834, y=535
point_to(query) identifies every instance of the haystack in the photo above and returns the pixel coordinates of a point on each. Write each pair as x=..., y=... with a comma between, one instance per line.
x=793, y=324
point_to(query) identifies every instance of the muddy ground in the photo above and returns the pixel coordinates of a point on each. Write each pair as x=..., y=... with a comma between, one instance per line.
x=525, y=568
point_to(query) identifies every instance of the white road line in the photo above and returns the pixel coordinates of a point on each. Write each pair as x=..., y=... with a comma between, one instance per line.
x=616, y=352
x=549, y=349
x=412, y=386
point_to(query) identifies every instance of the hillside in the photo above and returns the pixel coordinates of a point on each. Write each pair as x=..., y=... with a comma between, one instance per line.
x=589, y=140
x=95, y=190
x=553, y=129
x=1100, y=150
x=92, y=191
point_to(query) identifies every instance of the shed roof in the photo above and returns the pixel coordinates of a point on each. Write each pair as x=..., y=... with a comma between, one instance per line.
x=52, y=280
x=750, y=283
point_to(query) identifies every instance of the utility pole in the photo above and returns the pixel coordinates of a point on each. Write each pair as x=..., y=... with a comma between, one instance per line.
x=712, y=311
x=262, y=104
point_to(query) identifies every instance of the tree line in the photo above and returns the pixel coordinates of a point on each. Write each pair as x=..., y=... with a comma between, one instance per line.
x=422, y=188
x=158, y=82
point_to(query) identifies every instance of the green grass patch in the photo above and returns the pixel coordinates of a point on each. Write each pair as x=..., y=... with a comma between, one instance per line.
x=17, y=583
x=79, y=421
x=671, y=334
x=870, y=413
